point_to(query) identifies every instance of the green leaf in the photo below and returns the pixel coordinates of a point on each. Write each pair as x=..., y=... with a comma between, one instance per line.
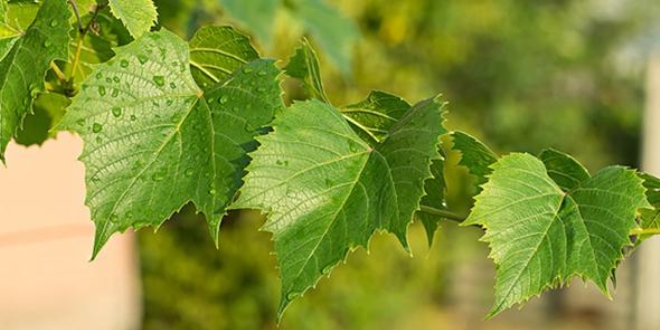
x=6, y=45
x=374, y=116
x=154, y=141
x=215, y=52
x=475, y=156
x=541, y=236
x=257, y=16
x=23, y=68
x=563, y=169
x=304, y=65
x=650, y=217
x=48, y=110
x=138, y=15
x=326, y=191
x=335, y=33
x=435, y=198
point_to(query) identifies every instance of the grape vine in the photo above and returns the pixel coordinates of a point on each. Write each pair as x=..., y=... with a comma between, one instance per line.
x=167, y=122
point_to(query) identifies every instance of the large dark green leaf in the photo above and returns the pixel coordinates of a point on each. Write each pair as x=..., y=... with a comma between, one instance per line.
x=154, y=141
x=24, y=66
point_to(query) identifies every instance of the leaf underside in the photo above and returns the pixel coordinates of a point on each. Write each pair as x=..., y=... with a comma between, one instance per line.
x=138, y=15
x=541, y=236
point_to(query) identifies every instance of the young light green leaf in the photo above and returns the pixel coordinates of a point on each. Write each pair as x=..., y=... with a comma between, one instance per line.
x=567, y=172
x=154, y=142
x=475, y=156
x=23, y=68
x=373, y=117
x=256, y=15
x=541, y=236
x=138, y=15
x=215, y=52
x=334, y=32
x=304, y=65
x=326, y=191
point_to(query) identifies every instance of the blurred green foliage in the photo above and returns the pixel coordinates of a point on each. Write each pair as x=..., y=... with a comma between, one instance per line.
x=522, y=76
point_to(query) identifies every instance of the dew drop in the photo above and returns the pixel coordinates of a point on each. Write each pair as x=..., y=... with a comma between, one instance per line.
x=102, y=91
x=172, y=85
x=116, y=79
x=133, y=118
x=247, y=70
x=261, y=89
x=212, y=192
x=53, y=23
x=123, y=63
x=96, y=128
x=353, y=147
x=115, y=92
x=99, y=75
x=114, y=218
x=48, y=43
x=261, y=73
x=329, y=183
x=223, y=100
x=80, y=122
x=158, y=176
x=143, y=59
x=159, y=80
x=108, y=80
x=190, y=172
x=169, y=102
x=116, y=111
x=99, y=140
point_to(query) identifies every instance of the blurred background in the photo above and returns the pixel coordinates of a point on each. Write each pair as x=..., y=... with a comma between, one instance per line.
x=522, y=76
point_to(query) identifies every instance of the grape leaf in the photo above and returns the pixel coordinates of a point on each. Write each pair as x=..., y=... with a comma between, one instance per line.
x=154, y=141
x=215, y=52
x=563, y=169
x=138, y=15
x=435, y=198
x=374, y=116
x=650, y=217
x=304, y=65
x=6, y=45
x=326, y=191
x=541, y=236
x=256, y=15
x=23, y=68
x=475, y=155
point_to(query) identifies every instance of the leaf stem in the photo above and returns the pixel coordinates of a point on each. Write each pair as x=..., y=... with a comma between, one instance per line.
x=58, y=72
x=74, y=5
x=449, y=215
x=647, y=231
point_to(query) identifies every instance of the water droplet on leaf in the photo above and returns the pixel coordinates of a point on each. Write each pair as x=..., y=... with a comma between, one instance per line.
x=133, y=118
x=115, y=92
x=158, y=176
x=54, y=23
x=123, y=63
x=261, y=89
x=102, y=91
x=159, y=80
x=172, y=85
x=116, y=111
x=261, y=73
x=190, y=172
x=223, y=100
x=96, y=128
x=142, y=59
x=80, y=122
x=48, y=43
x=247, y=70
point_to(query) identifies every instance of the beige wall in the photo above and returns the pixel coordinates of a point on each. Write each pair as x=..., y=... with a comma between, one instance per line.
x=46, y=280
